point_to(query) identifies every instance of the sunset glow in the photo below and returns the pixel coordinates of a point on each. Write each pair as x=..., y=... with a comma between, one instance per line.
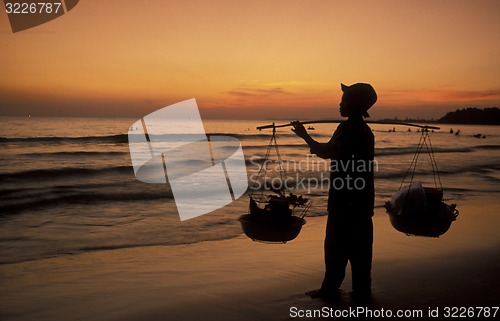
x=126, y=58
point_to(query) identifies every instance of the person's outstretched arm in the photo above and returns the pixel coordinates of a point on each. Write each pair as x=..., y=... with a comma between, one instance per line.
x=301, y=131
x=323, y=150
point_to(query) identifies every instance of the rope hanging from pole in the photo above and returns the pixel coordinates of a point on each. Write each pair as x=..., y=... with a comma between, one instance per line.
x=425, y=140
x=273, y=143
x=419, y=210
x=276, y=221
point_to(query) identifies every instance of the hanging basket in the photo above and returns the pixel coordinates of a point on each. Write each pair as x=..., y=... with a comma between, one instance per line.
x=269, y=230
x=432, y=219
x=418, y=210
x=275, y=221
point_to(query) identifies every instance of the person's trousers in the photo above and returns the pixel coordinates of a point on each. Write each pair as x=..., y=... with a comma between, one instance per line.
x=348, y=239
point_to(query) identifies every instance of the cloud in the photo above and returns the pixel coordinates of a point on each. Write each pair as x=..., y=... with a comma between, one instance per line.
x=441, y=95
x=258, y=92
x=431, y=103
x=469, y=95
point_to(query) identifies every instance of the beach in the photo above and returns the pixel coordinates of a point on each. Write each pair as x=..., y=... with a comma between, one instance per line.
x=83, y=239
x=245, y=280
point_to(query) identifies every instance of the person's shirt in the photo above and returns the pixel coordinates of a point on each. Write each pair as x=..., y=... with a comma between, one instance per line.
x=351, y=150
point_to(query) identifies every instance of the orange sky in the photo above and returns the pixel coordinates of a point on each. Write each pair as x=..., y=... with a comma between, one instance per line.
x=256, y=59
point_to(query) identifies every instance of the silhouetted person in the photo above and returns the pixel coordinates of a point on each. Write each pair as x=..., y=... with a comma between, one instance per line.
x=451, y=130
x=349, y=228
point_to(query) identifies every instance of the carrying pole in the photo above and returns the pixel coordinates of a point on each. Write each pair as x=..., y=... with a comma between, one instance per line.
x=331, y=121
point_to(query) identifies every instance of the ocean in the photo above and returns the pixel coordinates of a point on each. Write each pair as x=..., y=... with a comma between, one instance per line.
x=67, y=185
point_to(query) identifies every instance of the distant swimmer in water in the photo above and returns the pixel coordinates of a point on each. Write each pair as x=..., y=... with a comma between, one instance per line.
x=409, y=129
x=457, y=132
x=451, y=130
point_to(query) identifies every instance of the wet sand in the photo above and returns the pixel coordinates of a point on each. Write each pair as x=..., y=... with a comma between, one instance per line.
x=238, y=279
